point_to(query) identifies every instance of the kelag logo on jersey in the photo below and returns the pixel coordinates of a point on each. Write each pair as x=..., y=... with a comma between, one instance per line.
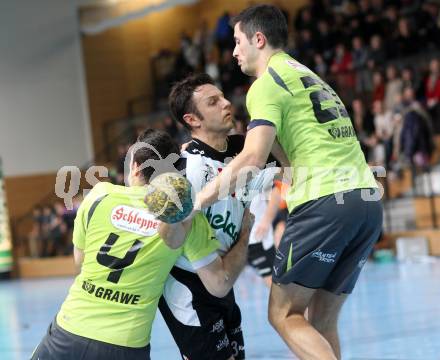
x=134, y=220
x=218, y=221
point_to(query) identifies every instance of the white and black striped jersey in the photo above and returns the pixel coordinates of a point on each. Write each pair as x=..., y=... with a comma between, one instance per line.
x=183, y=286
x=203, y=163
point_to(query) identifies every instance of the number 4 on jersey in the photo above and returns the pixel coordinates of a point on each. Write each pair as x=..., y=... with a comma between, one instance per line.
x=117, y=264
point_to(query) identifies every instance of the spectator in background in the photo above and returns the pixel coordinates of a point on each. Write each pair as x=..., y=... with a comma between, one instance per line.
x=389, y=21
x=177, y=132
x=304, y=20
x=377, y=53
x=383, y=124
x=122, y=151
x=212, y=68
x=320, y=66
x=378, y=86
x=35, y=235
x=170, y=126
x=223, y=33
x=393, y=87
x=325, y=41
x=291, y=46
x=432, y=93
x=68, y=219
x=51, y=232
x=428, y=23
x=59, y=230
x=371, y=25
x=408, y=78
x=230, y=75
x=377, y=7
x=182, y=66
x=416, y=138
x=337, y=26
x=342, y=63
x=191, y=53
x=364, y=127
x=360, y=57
x=407, y=42
x=203, y=39
x=306, y=47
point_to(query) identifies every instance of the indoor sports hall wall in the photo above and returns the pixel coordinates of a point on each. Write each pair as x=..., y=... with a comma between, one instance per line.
x=43, y=112
x=43, y=121
x=117, y=61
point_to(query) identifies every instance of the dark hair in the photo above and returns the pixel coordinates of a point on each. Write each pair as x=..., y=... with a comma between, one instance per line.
x=161, y=141
x=180, y=100
x=267, y=19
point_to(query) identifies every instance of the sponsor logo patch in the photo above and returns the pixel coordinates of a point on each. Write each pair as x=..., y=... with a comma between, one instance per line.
x=134, y=220
x=222, y=344
x=218, y=326
x=297, y=65
x=324, y=257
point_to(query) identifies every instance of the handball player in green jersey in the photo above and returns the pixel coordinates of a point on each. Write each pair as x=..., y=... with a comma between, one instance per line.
x=335, y=213
x=110, y=308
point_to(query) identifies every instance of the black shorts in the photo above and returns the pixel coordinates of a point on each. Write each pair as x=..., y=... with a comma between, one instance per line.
x=326, y=242
x=59, y=344
x=261, y=259
x=219, y=335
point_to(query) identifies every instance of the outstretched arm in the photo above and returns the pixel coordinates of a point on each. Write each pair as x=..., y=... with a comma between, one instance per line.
x=257, y=146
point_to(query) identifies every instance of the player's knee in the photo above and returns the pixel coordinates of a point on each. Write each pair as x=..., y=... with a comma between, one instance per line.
x=276, y=317
x=273, y=316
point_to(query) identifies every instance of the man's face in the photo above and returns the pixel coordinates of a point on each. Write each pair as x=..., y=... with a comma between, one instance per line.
x=245, y=52
x=214, y=108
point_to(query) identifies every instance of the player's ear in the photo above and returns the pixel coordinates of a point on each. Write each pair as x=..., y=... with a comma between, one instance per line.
x=135, y=168
x=192, y=120
x=260, y=40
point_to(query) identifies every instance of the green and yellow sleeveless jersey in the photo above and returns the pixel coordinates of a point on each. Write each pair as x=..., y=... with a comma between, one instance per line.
x=115, y=297
x=312, y=126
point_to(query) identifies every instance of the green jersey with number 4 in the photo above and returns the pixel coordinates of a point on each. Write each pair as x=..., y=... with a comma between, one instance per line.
x=115, y=297
x=313, y=128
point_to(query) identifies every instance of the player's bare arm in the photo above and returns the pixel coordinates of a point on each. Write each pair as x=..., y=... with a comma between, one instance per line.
x=219, y=276
x=174, y=235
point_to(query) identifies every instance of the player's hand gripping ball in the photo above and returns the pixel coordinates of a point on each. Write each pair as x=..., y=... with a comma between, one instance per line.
x=169, y=197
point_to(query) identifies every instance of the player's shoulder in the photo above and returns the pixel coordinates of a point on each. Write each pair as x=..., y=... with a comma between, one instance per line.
x=285, y=72
x=260, y=84
x=265, y=87
x=100, y=189
x=103, y=189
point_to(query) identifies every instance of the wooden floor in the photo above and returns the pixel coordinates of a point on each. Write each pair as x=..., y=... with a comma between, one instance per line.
x=394, y=313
